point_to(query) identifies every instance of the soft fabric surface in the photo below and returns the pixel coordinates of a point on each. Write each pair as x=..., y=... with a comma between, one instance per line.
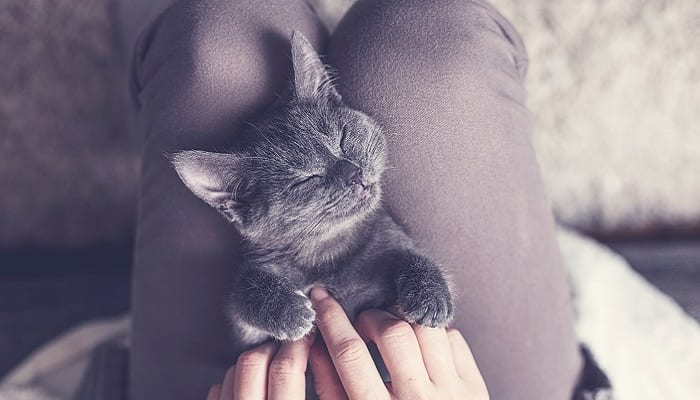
x=25, y=393
x=68, y=167
x=614, y=87
x=647, y=345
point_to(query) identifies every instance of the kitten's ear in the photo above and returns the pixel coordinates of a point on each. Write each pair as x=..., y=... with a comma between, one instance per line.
x=311, y=79
x=210, y=176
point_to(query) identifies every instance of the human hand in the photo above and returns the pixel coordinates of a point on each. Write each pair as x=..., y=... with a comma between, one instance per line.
x=424, y=363
x=270, y=371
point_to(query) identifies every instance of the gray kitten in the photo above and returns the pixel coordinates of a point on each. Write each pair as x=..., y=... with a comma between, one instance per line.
x=305, y=196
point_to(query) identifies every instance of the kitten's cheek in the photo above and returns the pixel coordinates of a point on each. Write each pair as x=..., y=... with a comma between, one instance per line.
x=372, y=194
x=373, y=190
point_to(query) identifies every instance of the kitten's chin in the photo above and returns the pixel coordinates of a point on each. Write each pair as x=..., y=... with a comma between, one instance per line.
x=365, y=201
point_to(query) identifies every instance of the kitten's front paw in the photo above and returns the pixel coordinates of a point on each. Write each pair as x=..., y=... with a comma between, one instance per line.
x=424, y=297
x=292, y=319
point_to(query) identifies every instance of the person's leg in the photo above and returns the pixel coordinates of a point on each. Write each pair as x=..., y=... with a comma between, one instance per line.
x=445, y=79
x=199, y=69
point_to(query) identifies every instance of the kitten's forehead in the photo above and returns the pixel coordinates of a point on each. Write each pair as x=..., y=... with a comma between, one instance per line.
x=307, y=135
x=292, y=149
x=315, y=116
x=313, y=125
x=330, y=121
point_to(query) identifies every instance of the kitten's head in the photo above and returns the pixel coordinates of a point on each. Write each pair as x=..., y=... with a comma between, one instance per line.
x=314, y=166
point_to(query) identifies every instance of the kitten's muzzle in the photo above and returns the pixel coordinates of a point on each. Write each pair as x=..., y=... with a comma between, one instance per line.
x=351, y=175
x=364, y=189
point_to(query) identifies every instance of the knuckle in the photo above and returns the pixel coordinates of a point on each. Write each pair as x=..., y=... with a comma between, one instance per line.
x=283, y=366
x=396, y=330
x=252, y=359
x=349, y=351
x=282, y=371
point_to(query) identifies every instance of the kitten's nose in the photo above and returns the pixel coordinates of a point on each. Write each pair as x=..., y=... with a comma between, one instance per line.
x=350, y=173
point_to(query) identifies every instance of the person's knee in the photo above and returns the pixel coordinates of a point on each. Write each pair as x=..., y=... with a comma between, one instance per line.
x=452, y=35
x=223, y=43
x=234, y=42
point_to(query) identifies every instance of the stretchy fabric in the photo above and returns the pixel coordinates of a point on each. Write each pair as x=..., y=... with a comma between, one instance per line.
x=445, y=79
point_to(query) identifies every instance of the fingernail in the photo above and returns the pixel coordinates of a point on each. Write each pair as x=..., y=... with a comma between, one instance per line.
x=318, y=294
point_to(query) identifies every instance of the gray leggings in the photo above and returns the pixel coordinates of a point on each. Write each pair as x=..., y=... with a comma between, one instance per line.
x=445, y=79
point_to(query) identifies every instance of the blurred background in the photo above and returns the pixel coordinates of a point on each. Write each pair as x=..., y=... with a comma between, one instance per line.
x=614, y=87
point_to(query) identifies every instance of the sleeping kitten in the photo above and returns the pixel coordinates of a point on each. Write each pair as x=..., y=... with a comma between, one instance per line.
x=305, y=196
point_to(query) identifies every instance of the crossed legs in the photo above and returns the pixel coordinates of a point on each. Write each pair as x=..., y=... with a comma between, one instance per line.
x=445, y=80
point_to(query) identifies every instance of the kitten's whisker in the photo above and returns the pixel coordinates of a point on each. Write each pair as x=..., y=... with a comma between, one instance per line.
x=251, y=125
x=320, y=219
x=318, y=222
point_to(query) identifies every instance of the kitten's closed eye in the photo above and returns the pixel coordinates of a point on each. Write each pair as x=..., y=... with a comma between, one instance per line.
x=342, y=140
x=305, y=179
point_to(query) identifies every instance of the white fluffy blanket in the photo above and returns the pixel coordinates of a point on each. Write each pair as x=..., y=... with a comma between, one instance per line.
x=645, y=342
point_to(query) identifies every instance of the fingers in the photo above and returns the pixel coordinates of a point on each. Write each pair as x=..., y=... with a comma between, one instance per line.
x=326, y=381
x=399, y=348
x=228, y=384
x=286, y=378
x=465, y=363
x=423, y=362
x=214, y=393
x=250, y=374
x=437, y=353
x=267, y=373
x=347, y=350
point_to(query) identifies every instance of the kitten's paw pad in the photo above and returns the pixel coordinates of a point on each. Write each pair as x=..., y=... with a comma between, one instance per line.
x=424, y=301
x=293, y=319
